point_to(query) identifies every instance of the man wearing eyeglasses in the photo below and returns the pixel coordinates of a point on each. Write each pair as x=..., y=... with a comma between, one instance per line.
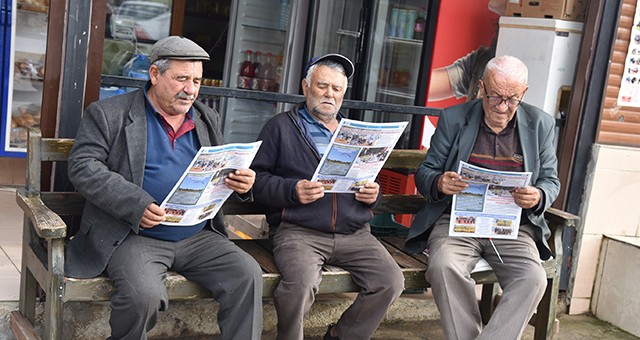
x=497, y=131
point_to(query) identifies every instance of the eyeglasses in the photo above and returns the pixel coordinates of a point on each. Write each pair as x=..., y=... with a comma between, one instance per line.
x=497, y=100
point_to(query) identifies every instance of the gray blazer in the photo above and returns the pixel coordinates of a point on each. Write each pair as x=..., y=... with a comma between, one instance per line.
x=106, y=166
x=453, y=141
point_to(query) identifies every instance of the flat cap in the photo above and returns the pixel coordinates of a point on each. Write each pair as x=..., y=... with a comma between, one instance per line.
x=339, y=58
x=175, y=47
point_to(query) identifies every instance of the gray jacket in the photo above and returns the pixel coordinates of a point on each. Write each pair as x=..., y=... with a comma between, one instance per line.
x=106, y=166
x=453, y=141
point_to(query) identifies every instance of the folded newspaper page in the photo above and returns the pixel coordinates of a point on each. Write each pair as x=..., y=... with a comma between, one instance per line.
x=200, y=192
x=487, y=208
x=356, y=154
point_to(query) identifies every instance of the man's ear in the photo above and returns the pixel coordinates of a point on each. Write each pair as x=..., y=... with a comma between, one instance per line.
x=304, y=86
x=154, y=73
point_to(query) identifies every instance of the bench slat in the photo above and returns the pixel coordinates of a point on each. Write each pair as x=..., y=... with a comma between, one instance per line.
x=262, y=255
x=403, y=259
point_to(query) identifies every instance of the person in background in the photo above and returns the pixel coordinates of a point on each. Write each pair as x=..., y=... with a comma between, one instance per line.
x=309, y=228
x=129, y=152
x=460, y=79
x=497, y=131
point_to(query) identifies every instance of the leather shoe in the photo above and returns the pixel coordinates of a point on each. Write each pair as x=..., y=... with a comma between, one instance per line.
x=327, y=335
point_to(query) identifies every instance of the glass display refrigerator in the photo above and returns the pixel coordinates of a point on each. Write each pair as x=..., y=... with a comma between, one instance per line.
x=389, y=42
x=23, y=36
x=259, y=53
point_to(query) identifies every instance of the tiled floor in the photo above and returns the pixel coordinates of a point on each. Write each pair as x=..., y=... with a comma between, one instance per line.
x=10, y=244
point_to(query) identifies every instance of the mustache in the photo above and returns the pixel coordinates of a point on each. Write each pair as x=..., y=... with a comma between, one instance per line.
x=183, y=95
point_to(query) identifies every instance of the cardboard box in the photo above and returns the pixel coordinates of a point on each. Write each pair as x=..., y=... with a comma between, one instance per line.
x=572, y=10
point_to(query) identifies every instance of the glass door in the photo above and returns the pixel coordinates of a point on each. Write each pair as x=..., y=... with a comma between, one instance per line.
x=337, y=26
x=385, y=41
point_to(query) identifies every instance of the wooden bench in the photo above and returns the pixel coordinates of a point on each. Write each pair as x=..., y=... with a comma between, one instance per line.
x=45, y=233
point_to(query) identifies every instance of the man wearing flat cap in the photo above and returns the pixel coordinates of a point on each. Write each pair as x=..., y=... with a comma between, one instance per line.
x=129, y=152
x=309, y=228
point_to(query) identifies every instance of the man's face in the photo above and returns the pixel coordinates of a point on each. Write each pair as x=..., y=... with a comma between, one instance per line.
x=325, y=93
x=509, y=92
x=177, y=88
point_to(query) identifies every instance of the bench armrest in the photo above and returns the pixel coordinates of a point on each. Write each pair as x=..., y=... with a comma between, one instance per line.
x=557, y=221
x=47, y=224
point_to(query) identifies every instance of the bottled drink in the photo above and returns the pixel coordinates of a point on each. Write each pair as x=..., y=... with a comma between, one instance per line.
x=283, y=20
x=412, y=16
x=278, y=77
x=246, y=71
x=268, y=73
x=418, y=28
x=258, y=61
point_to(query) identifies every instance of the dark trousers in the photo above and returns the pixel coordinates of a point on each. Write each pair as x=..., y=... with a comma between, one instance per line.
x=138, y=269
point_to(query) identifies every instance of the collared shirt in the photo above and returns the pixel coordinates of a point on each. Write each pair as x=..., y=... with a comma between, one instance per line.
x=173, y=135
x=498, y=151
x=320, y=134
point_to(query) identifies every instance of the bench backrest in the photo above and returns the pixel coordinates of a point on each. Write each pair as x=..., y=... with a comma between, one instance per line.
x=41, y=150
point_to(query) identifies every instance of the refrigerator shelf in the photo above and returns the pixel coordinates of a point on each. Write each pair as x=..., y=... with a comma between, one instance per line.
x=403, y=41
x=275, y=29
x=33, y=6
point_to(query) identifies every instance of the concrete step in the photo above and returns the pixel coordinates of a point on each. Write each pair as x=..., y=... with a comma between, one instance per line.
x=197, y=319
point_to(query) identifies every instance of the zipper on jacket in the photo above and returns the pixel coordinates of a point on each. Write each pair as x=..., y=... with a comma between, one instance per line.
x=334, y=212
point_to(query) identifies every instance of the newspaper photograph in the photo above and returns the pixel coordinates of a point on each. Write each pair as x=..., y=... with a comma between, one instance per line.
x=356, y=154
x=487, y=208
x=200, y=192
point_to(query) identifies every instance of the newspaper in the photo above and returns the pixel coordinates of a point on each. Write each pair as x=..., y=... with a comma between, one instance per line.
x=356, y=154
x=487, y=208
x=200, y=192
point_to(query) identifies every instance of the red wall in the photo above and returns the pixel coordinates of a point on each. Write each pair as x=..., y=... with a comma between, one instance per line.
x=463, y=25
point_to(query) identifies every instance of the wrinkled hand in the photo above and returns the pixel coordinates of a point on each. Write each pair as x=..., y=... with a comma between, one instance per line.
x=368, y=193
x=152, y=216
x=241, y=180
x=527, y=197
x=450, y=183
x=308, y=192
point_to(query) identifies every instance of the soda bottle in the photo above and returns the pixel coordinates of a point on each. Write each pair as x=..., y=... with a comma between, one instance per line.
x=246, y=71
x=256, y=83
x=268, y=73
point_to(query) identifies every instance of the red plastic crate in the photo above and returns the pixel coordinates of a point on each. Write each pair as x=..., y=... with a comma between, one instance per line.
x=393, y=182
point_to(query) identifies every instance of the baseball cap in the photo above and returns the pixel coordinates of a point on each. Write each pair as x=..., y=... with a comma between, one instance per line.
x=175, y=47
x=339, y=58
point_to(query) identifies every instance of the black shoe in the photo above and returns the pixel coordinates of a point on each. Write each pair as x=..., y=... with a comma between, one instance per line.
x=327, y=335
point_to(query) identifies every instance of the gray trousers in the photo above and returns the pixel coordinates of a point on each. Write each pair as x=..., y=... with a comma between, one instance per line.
x=138, y=269
x=521, y=276
x=300, y=253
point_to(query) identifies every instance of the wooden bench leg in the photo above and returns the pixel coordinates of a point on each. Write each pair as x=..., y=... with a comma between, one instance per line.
x=488, y=301
x=53, y=304
x=544, y=321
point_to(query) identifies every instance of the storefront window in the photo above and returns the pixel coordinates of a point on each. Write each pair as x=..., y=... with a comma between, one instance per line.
x=131, y=29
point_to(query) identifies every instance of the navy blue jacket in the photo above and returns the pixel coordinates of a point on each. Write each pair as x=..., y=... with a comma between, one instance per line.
x=287, y=155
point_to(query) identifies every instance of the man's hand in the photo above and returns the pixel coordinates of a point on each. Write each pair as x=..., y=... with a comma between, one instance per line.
x=241, y=180
x=152, y=216
x=450, y=183
x=368, y=193
x=308, y=192
x=526, y=198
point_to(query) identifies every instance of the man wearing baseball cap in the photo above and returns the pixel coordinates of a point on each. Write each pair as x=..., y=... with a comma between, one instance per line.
x=309, y=228
x=129, y=152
